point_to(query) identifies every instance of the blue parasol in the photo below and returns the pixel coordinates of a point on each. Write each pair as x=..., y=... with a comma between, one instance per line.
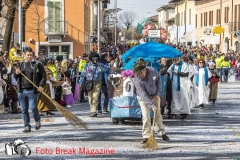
x=150, y=52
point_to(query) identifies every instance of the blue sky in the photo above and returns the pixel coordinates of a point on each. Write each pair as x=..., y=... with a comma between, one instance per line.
x=140, y=7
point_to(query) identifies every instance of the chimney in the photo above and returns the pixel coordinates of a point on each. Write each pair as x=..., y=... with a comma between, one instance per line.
x=149, y=14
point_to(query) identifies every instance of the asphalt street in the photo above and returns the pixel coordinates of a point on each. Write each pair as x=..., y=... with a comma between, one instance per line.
x=210, y=133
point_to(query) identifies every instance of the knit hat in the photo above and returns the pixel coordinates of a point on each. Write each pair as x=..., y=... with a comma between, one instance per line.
x=139, y=66
x=85, y=55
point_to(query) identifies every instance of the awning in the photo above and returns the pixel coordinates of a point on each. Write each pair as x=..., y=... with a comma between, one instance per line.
x=212, y=40
x=188, y=36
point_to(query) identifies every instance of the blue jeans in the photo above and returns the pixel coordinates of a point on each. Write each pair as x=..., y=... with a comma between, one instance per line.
x=104, y=89
x=220, y=73
x=28, y=100
x=225, y=74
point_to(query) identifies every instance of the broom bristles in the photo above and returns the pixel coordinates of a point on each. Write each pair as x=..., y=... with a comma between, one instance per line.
x=70, y=117
x=151, y=142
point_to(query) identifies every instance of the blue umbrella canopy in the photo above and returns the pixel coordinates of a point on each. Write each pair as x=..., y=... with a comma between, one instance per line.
x=150, y=52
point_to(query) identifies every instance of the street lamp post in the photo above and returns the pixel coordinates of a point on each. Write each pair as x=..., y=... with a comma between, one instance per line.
x=20, y=28
x=115, y=2
x=99, y=38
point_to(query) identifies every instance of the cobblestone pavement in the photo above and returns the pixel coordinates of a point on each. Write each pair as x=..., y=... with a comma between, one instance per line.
x=209, y=133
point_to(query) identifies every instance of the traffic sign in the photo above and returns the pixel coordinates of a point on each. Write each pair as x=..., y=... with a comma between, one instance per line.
x=218, y=30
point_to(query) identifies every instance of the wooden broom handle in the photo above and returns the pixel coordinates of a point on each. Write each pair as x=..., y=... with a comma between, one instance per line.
x=33, y=84
x=153, y=120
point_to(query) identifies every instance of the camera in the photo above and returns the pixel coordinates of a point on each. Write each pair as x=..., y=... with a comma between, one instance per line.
x=17, y=147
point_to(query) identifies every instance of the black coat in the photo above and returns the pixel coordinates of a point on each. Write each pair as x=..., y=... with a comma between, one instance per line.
x=39, y=76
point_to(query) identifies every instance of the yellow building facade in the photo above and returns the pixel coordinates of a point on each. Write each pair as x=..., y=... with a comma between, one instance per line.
x=214, y=13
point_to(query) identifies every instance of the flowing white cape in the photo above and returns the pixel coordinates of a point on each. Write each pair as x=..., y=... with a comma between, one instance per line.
x=181, y=99
x=203, y=90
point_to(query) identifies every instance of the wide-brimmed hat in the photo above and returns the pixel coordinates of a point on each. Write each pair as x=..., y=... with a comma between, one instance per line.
x=139, y=66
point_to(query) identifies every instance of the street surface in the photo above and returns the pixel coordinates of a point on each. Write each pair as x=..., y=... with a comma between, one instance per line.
x=209, y=133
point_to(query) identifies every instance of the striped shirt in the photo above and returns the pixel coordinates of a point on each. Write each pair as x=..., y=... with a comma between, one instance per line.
x=149, y=86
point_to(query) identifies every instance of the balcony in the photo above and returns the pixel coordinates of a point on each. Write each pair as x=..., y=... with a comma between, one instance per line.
x=233, y=27
x=51, y=27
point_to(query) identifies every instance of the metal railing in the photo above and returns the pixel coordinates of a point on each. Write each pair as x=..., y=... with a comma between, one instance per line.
x=51, y=27
x=76, y=33
x=233, y=27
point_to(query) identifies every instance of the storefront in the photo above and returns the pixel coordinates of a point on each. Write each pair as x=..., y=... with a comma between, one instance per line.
x=53, y=50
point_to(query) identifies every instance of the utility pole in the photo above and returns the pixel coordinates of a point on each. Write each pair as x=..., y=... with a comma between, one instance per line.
x=178, y=22
x=20, y=26
x=115, y=6
x=99, y=35
x=221, y=20
x=185, y=17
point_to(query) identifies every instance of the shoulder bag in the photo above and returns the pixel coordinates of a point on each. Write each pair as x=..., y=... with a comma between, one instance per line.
x=88, y=84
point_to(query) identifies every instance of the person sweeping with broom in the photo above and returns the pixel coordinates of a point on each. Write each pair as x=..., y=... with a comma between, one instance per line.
x=27, y=94
x=148, y=87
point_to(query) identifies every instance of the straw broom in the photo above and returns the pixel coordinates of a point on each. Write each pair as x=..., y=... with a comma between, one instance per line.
x=70, y=117
x=151, y=142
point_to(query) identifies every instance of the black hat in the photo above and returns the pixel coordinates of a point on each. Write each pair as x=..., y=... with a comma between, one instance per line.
x=85, y=55
x=93, y=54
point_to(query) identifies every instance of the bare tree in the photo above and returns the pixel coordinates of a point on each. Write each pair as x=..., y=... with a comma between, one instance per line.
x=10, y=16
x=36, y=21
x=127, y=18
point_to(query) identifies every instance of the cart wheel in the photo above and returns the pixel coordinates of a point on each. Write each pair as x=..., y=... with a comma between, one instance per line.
x=122, y=121
x=115, y=121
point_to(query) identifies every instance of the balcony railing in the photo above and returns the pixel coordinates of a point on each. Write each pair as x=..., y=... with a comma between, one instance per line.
x=55, y=27
x=233, y=27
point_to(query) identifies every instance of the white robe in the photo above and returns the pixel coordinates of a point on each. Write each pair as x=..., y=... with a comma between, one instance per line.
x=194, y=89
x=190, y=84
x=180, y=99
x=203, y=90
x=51, y=88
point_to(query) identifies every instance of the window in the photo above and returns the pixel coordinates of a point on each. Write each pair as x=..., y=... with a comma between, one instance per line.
x=181, y=18
x=218, y=19
x=196, y=20
x=226, y=14
x=54, y=17
x=235, y=19
x=205, y=18
x=177, y=19
x=238, y=17
x=201, y=19
x=210, y=18
x=190, y=16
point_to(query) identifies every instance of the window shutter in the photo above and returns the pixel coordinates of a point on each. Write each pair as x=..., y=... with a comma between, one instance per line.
x=212, y=17
x=209, y=18
x=206, y=18
x=225, y=14
x=58, y=16
x=50, y=16
x=235, y=19
x=238, y=17
x=196, y=21
x=190, y=16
